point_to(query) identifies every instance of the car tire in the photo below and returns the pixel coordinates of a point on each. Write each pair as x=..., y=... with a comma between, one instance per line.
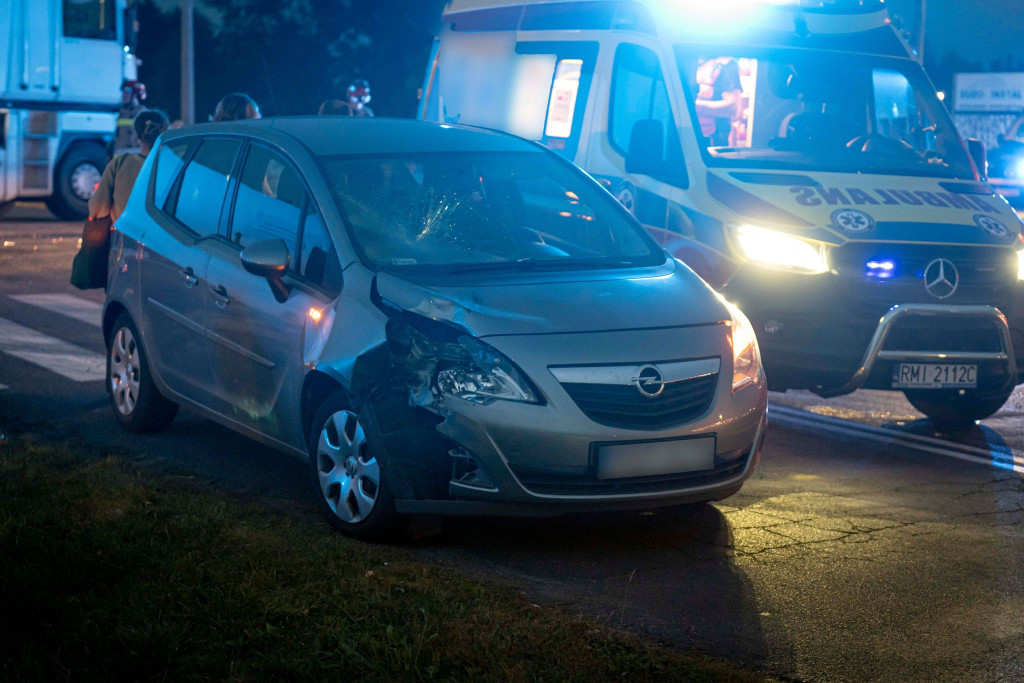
x=137, y=403
x=953, y=412
x=73, y=183
x=346, y=472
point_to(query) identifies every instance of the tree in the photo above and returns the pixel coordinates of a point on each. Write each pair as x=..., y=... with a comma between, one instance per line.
x=292, y=54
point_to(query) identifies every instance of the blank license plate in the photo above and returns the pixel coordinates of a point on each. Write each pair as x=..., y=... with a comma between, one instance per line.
x=655, y=457
x=933, y=376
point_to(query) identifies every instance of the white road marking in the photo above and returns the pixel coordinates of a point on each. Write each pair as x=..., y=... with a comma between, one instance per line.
x=996, y=456
x=4, y=387
x=82, y=310
x=67, y=360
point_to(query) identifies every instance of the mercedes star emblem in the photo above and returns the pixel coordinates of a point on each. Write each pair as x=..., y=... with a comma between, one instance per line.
x=941, y=278
x=649, y=382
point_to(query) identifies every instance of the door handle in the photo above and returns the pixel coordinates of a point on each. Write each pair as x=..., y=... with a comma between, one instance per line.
x=220, y=296
x=190, y=277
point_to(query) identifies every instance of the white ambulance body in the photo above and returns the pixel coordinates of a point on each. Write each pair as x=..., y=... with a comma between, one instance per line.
x=791, y=152
x=61, y=72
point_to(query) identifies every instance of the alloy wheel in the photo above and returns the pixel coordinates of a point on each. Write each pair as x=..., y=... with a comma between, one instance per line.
x=349, y=474
x=124, y=371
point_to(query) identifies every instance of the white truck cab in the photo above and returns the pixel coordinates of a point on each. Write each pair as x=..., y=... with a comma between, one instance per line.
x=791, y=152
x=62, y=69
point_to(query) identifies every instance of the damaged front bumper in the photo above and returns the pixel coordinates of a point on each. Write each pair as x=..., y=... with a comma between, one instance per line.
x=541, y=458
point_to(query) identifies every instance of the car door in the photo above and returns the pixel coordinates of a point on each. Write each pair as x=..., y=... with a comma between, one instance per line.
x=258, y=342
x=188, y=199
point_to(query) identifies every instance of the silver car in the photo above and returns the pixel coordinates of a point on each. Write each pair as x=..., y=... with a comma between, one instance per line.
x=439, y=319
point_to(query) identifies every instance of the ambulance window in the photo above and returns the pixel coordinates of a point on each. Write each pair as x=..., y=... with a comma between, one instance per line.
x=562, y=103
x=639, y=93
x=90, y=19
x=897, y=115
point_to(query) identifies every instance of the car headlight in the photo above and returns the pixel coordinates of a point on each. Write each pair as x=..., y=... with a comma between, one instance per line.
x=485, y=376
x=746, y=357
x=779, y=250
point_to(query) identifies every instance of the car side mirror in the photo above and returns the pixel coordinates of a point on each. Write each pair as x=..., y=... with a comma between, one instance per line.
x=269, y=259
x=646, y=154
x=976, y=148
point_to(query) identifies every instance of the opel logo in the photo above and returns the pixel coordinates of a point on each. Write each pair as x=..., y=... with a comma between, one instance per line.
x=649, y=382
x=941, y=278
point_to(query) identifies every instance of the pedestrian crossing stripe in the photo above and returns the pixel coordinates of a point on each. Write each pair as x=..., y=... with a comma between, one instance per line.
x=69, y=361
x=82, y=310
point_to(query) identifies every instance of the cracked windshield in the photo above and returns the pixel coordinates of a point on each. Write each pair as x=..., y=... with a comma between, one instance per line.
x=485, y=210
x=814, y=110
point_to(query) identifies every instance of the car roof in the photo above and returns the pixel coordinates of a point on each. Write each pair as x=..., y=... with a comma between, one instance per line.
x=336, y=135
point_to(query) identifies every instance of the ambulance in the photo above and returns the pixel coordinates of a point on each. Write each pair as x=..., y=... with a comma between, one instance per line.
x=793, y=154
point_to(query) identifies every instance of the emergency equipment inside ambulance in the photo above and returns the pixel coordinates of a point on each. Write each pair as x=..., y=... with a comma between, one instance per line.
x=794, y=154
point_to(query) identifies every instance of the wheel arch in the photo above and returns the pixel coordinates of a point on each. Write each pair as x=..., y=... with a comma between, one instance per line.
x=70, y=141
x=316, y=387
x=111, y=311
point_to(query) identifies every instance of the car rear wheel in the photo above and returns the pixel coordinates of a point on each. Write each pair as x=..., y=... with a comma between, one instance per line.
x=347, y=475
x=138, y=405
x=953, y=411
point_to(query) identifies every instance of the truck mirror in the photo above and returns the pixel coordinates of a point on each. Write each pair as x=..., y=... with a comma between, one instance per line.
x=646, y=153
x=976, y=148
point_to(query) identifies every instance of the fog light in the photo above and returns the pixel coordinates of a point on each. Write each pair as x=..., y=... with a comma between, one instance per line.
x=468, y=471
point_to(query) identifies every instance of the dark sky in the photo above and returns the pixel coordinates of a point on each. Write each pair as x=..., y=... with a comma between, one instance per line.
x=980, y=30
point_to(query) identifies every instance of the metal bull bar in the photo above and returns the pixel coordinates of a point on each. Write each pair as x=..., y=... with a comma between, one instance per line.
x=875, y=351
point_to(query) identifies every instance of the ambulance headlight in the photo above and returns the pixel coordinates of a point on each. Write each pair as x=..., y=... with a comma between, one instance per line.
x=780, y=250
x=1018, y=168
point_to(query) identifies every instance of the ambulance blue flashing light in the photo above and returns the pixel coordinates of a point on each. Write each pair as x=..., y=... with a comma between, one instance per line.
x=882, y=269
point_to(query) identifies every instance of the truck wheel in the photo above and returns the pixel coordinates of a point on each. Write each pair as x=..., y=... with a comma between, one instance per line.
x=346, y=473
x=951, y=411
x=74, y=182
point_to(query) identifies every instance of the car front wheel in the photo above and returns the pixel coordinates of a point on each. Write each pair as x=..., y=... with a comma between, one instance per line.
x=346, y=473
x=138, y=405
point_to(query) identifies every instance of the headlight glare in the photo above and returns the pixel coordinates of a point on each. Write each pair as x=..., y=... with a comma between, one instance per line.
x=779, y=250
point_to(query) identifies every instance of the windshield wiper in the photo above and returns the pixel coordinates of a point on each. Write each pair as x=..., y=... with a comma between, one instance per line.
x=530, y=264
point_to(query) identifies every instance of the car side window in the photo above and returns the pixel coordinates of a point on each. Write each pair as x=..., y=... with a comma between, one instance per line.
x=169, y=161
x=319, y=260
x=270, y=198
x=204, y=185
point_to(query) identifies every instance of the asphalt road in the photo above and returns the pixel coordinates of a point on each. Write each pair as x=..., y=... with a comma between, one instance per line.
x=866, y=547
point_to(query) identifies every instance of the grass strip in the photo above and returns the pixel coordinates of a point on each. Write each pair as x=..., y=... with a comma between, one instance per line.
x=115, y=573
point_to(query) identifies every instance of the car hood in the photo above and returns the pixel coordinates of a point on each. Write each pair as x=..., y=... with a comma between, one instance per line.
x=841, y=207
x=670, y=296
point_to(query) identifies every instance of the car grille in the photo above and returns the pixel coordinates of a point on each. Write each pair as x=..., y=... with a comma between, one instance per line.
x=727, y=466
x=988, y=275
x=621, y=405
